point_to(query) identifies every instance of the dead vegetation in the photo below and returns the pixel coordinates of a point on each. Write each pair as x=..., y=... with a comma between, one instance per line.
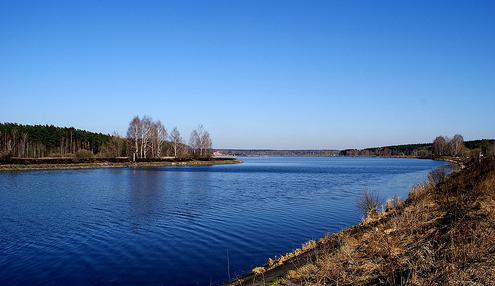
x=369, y=203
x=444, y=234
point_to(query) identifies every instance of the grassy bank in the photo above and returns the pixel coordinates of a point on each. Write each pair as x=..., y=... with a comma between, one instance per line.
x=106, y=164
x=442, y=235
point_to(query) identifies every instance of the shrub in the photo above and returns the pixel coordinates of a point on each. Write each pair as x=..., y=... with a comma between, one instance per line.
x=6, y=155
x=84, y=154
x=437, y=176
x=491, y=150
x=259, y=271
x=393, y=202
x=369, y=203
x=424, y=153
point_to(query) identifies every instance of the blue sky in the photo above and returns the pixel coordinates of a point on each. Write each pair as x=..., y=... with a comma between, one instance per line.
x=257, y=74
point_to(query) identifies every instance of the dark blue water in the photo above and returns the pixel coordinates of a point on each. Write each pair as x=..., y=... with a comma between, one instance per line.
x=180, y=225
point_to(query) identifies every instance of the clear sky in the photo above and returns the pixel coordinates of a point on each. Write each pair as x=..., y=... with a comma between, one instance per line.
x=257, y=74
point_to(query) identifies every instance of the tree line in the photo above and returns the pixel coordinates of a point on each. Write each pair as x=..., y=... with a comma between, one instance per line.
x=441, y=146
x=271, y=152
x=146, y=139
x=445, y=146
x=35, y=141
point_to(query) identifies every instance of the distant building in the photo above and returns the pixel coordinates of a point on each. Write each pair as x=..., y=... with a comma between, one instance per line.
x=217, y=154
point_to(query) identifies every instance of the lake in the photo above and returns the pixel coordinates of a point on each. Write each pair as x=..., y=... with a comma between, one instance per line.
x=181, y=225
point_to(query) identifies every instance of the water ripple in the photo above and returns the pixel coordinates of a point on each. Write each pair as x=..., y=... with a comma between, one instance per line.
x=180, y=226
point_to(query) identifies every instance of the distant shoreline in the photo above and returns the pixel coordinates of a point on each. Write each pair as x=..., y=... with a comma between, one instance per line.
x=102, y=165
x=72, y=164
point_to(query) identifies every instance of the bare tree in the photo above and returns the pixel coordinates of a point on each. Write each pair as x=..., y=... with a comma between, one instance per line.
x=157, y=138
x=146, y=132
x=161, y=137
x=387, y=152
x=115, y=147
x=200, y=142
x=456, y=145
x=205, y=144
x=439, y=146
x=195, y=143
x=144, y=137
x=153, y=140
x=176, y=140
x=133, y=135
x=200, y=132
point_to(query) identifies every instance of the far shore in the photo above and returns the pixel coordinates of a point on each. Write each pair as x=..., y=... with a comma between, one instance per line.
x=33, y=164
x=97, y=165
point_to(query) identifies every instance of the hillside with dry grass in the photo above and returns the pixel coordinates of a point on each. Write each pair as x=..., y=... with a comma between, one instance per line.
x=444, y=234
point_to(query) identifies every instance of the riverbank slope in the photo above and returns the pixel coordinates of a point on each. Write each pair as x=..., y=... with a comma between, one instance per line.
x=442, y=234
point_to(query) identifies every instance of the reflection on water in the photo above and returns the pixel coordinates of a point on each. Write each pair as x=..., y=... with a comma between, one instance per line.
x=146, y=195
x=175, y=225
x=152, y=189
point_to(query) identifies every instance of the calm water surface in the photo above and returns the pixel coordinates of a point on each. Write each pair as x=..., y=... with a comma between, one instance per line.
x=180, y=225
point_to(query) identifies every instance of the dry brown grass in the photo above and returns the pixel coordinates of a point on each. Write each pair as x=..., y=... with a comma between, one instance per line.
x=369, y=203
x=443, y=235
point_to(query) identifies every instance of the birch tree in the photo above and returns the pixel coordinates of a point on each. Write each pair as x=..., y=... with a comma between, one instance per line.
x=161, y=138
x=133, y=135
x=439, y=146
x=195, y=143
x=456, y=145
x=176, y=140
x=205, y=144
x=200, y=142
x=153, y=140
x=146, y=132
